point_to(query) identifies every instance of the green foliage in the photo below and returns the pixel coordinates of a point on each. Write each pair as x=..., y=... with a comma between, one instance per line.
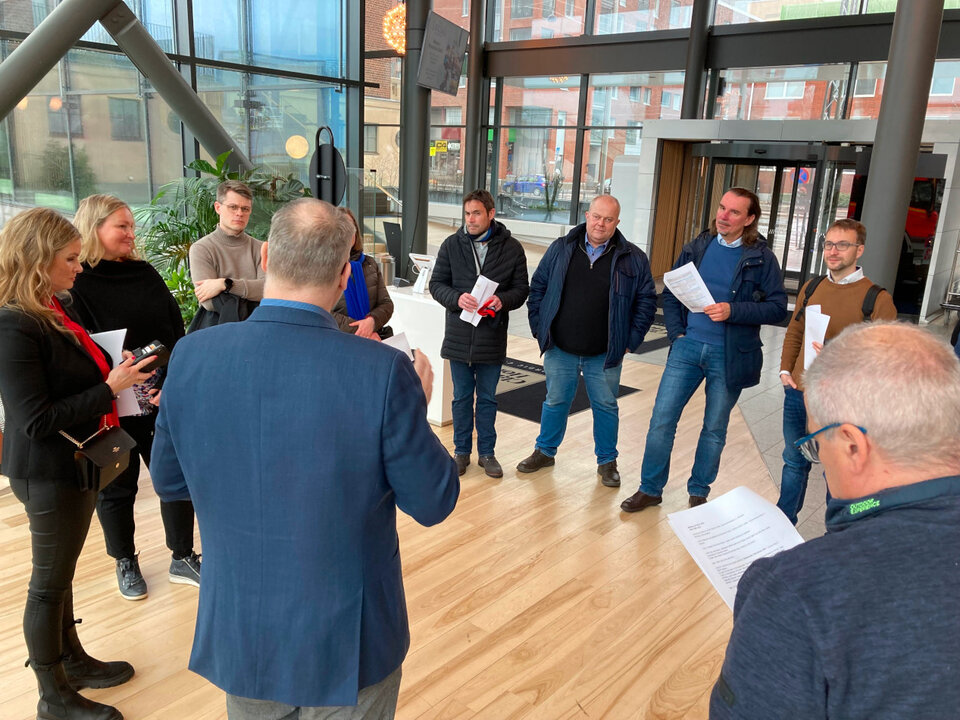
x=56, y=170
x=182, y=213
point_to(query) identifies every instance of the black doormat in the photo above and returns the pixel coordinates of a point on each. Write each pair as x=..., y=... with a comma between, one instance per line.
x=522, y=390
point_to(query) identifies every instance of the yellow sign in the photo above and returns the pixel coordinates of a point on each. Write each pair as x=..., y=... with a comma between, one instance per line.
x=441, y=146
x=433, y=151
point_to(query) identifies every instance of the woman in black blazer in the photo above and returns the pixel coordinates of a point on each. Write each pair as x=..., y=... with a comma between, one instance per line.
x=117, y=290
x=52, y=378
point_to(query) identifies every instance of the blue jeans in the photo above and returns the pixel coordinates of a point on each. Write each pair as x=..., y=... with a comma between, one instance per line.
x=689, y=363
x=563, y=372
x=796, y=468
x=467, y=379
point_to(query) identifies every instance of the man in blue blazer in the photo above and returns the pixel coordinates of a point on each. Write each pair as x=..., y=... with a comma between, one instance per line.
x=296, y=444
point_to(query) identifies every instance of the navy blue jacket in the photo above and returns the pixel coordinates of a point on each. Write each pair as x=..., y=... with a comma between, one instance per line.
x=633, y=296
x=758, y=298
x=859, y=624
x=297, y=444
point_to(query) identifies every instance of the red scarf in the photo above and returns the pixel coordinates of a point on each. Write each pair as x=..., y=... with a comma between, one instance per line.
x=94, y=351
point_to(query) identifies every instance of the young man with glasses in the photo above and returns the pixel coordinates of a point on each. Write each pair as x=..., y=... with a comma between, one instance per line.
x=862, y=623
x=592, y=300
x=847, y=296
x=228, y=260
x=720, y=346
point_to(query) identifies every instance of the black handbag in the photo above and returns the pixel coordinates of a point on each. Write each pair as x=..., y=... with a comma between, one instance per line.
x=101, y=457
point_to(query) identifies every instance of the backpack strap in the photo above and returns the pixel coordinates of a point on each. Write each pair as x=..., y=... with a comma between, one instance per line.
x=811, y=287
x=869, y=300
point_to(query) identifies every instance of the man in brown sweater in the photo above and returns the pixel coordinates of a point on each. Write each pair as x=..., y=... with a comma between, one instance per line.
x=228, y=260
x=842, y=296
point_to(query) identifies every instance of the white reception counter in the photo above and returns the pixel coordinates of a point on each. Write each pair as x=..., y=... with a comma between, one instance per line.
x=422, y=318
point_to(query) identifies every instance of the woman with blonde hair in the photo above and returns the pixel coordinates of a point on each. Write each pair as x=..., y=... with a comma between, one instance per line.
x=365, y=306
x=116, y=291
x=53, y=378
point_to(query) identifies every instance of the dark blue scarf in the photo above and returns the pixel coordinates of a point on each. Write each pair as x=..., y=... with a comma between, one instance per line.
x=357, y=297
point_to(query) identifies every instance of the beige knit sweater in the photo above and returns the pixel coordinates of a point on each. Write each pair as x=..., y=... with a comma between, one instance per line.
x=221, y=255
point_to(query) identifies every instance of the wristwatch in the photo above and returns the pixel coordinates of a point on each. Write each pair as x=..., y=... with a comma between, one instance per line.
x=227, y=284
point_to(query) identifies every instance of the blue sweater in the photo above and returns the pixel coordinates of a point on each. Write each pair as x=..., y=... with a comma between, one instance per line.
x=718, y=269
x=757, y=298
x=859, y=624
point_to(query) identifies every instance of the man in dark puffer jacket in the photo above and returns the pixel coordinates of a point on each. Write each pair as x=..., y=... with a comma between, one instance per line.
x=485, y=247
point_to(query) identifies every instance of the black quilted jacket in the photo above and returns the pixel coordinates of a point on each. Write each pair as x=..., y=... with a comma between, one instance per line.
x=455, y=273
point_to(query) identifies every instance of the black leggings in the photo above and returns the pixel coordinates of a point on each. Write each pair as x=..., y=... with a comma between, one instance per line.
x=59, y=514
x=115, y=504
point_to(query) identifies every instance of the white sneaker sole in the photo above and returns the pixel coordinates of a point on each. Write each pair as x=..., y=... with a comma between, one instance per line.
x=183, y=581
x=133, y=598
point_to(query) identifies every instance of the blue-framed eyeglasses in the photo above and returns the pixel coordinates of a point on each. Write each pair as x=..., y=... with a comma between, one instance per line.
x=809, y=446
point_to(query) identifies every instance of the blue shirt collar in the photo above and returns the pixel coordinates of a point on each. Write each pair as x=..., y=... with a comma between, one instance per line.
x=592, y=252
x=295, y=304
x=735, y=244
x=841, y=513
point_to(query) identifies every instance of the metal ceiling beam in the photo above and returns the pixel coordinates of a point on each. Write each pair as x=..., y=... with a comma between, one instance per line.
x=42, y=49
x=150, y=59
x=629, y=52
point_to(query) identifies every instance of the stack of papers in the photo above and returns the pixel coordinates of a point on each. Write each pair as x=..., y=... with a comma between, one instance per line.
x=112, y=342
x=814, y=330
x=688, y=287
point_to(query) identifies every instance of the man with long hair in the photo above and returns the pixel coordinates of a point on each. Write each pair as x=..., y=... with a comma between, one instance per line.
x=720, y=345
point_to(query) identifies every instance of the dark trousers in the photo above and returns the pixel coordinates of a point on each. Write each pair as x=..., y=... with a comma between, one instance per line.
x=59, y=514
x=115, y=503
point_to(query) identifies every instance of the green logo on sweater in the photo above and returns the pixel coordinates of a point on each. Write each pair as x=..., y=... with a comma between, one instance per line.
x=864, y=505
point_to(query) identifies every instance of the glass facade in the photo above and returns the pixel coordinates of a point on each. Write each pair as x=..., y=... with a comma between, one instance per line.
x=537, y=19
x=804, y=92
x=943, y=103
x=535, y=147
x=824, y=92
x=545, y=19
x=95, y=124
x=614, y=16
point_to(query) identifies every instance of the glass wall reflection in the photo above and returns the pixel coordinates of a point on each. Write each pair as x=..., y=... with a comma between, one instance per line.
x=93, y=124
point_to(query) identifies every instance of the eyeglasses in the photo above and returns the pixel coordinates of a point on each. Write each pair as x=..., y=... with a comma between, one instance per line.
x=809, y=446
x=243, y=209
x=841, y=246
x=601, y=219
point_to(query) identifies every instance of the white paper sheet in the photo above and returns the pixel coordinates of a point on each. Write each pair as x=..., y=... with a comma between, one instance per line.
x=482, y=290
x=688, y=287
x=112, y=342
x=727, y=534
x=400, y=342
x=814, y=330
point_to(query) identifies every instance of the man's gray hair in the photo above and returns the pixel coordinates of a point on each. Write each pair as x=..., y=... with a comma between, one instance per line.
x=309, y=243
x=899, y=382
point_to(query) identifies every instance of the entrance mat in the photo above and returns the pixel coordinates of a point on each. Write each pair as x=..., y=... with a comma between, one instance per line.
x=523, y=388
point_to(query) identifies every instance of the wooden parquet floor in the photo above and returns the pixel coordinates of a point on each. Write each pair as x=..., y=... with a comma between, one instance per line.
x=537, y=598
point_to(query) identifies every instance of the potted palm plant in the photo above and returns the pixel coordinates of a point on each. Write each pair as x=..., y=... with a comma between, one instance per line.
x=182, y=212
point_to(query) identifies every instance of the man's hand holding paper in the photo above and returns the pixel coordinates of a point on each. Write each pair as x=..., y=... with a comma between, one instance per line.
x=688, y=287
x=482, y=291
